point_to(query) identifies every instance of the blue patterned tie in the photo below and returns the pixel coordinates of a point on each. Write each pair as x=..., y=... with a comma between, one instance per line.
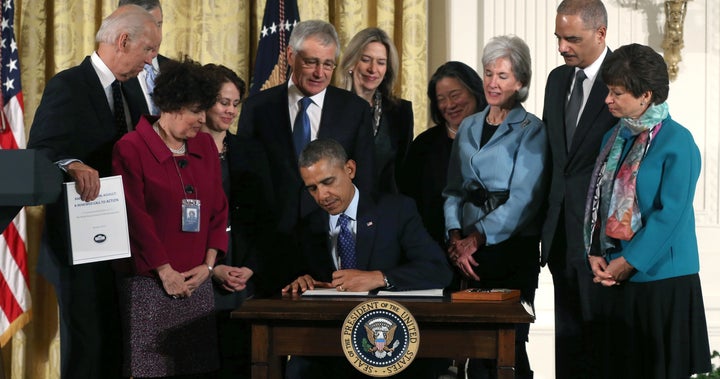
x=150, y=82
x=346, y=244
x=301, y=127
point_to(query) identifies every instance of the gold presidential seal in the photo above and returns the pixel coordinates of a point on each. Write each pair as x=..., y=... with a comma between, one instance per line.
x=380, y=337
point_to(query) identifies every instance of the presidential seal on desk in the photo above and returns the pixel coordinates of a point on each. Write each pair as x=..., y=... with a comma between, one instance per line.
x=380, y=337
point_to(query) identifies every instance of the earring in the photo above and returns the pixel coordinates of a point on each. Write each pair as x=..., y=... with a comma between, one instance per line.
x=350, y=72
x=642, y=103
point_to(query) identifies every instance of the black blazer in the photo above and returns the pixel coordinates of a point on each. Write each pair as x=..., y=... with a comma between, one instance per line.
x=394, y=136
x=571, y=170
x=390, y=238
x=424, y=177
x=265, y=117
x=249, y=193
x=74, y=120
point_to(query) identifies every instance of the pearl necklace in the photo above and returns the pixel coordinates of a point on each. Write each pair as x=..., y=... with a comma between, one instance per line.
x=487, y=119
x=179, y=151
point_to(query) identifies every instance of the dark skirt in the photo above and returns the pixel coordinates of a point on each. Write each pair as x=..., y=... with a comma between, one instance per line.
x=163, y=336
x=654, y=330
x=513, y=263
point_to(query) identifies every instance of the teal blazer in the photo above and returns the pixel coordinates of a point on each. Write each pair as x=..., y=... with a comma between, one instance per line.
x=666, y=245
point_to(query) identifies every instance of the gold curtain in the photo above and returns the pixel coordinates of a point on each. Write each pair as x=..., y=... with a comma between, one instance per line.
x=54, y=35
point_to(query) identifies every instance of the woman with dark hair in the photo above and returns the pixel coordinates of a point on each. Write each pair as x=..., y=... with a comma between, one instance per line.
x=171, y=172
x=640, y=228
x=495, y=189
x=245, y=177
x=455, y=92
x=369, y=68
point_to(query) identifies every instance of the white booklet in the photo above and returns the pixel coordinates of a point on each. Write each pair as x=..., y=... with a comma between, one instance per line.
x=436, y=292
x=333, y=292
x=98, y=228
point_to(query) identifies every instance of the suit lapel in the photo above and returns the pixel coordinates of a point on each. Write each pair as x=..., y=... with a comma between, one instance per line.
x=366, y=228
x=327, y=259
x=280, y=111
x=593, y=106
x=96, y=95
x=135, y=100
x=554, y=115
x=515, y=119
x=327, y=115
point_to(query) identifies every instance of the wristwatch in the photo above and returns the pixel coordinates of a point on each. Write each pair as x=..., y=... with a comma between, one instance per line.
x=211, y=269
x=387, y=282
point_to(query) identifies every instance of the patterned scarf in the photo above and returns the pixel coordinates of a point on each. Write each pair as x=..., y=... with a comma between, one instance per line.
x=613, y=183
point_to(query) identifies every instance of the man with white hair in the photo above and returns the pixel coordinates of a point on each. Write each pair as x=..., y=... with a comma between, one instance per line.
x=83, y=111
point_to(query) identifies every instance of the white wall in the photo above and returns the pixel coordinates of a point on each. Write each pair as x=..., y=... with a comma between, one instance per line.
x=459, y=29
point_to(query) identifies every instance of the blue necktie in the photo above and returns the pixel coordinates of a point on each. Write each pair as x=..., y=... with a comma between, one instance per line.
x=150, y=82
x=346, y=244
x=301, y=127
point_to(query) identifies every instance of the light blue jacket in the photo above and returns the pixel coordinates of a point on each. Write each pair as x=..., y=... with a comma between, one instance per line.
x=513, y=159
x=666, y=245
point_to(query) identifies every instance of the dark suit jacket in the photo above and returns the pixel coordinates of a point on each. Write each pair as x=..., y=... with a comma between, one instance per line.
x=265, y=117
x=424, y=177
x=571, y=170
x=249, y=192
x=392, y=142
x=74, y=120
x=390, y=237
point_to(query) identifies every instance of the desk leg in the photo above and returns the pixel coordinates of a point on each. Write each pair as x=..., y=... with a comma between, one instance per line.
x=265, y=365
x=506, y=353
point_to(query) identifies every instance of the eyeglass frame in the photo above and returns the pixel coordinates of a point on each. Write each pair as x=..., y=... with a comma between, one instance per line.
x=314, y=63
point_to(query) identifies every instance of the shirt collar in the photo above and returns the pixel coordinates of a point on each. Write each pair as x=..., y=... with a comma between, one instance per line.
x=101, y=69
x=156, y=65
x=350, y=211
x=593, y=69
x=294, y=95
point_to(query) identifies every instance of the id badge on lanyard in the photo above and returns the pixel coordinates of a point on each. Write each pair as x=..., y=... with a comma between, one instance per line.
x=190, y=215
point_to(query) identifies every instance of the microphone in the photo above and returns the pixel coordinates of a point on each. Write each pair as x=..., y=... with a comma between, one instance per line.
x=182, y=163
x=189, y=189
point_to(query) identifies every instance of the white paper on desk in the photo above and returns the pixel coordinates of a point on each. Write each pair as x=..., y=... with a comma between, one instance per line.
x=435, y=292
x=99, y=228
x=333, y=292
x=414, y=293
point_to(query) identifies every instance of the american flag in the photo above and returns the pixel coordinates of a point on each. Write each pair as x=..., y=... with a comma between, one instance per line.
x=271, y=67
x=14, y=288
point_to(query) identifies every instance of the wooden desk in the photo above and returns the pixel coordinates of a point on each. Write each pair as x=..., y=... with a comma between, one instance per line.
x=285, y=326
